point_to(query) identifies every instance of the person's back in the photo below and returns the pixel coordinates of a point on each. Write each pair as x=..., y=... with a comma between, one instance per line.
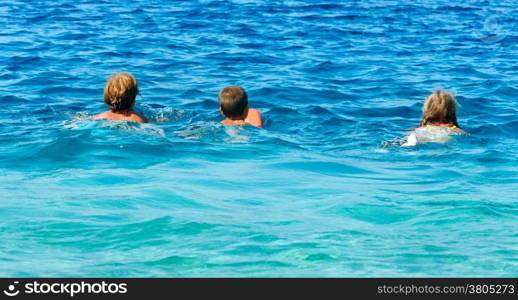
x=233, y=102
x=125, y=115
x=119, y=94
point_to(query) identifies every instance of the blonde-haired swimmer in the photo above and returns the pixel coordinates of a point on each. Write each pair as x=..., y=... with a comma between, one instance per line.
x=439, y=120
x=119, y=94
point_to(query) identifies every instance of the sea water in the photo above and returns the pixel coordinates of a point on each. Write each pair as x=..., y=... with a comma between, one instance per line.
x=313, y=193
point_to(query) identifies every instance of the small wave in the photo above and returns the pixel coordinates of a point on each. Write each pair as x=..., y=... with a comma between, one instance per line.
x=160, y=114
x=82, y=120
x=216, y=132
x=423, y=135
x=197, y=131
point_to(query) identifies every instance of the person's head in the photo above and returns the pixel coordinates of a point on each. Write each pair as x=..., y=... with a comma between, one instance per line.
x=120, y=91
x=440, y=108
x=233, y=102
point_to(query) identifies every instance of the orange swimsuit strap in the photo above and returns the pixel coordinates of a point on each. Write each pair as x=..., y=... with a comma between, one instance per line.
x=451, y=126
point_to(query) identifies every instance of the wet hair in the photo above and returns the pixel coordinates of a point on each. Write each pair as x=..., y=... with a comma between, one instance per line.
x=233, y=101
x=440, y=108
x=120, y=91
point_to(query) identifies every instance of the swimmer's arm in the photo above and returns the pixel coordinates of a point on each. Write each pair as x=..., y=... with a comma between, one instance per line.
x=254, y=118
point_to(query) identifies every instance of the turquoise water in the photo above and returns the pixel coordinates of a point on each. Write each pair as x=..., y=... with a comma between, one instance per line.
x=313, y=193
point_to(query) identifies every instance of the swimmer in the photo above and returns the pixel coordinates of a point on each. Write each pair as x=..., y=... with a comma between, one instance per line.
x=438, y=122
x=233, y=104
x=119, y=94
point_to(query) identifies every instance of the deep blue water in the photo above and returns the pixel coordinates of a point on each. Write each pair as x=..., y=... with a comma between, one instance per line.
x=313, y=193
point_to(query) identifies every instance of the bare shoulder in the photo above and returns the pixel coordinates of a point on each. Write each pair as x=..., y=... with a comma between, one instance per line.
x=254, y=111
x=254, y=117
x=101, y=116
x=138, y=118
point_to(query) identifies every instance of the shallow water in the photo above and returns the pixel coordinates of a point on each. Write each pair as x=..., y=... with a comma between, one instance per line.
x=312, y=194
